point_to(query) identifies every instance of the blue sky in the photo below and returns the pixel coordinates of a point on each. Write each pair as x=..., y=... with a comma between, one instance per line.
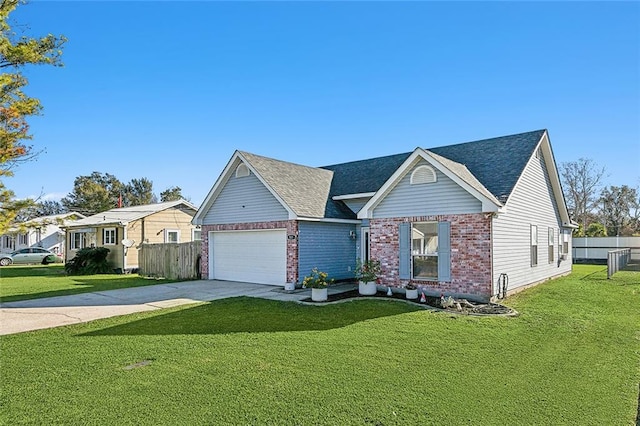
x=169, y=90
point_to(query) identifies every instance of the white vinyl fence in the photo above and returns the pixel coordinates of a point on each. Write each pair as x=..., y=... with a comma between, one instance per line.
x=596, y=249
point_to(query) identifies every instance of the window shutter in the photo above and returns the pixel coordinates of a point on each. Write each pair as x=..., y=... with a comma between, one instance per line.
x=405, y=251
x=117, y=239
x=444, y=251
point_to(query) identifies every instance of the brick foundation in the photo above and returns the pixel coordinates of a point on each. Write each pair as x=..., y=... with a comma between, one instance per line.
x=292, y=245
x=470, y=253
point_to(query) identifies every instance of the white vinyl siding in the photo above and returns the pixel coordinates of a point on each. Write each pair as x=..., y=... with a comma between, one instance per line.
x=249, y=256
x=530, y=203
x=441, y=197
x=356, y=204
x=245, y=199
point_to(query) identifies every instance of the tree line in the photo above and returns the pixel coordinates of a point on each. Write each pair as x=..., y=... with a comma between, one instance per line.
x=600, y=211
x=100, y=192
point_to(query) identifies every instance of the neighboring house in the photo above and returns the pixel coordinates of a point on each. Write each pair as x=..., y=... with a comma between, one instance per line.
x=450, y=219
x=43, y=231
x=121, y=230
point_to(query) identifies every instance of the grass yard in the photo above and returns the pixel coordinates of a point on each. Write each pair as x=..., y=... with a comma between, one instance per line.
x=32, y=282
x=571, y=357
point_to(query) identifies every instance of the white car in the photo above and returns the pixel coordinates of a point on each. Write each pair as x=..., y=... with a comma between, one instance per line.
x=29, y=255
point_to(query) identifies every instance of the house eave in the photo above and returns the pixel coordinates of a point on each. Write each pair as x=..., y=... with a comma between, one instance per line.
x=488, y=204
x=329, y=220
x=198, y=218
x=353, y=196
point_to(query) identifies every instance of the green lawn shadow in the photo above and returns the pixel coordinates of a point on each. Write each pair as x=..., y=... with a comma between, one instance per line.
x=253, y=315
x=52, y=281
x=24, y=271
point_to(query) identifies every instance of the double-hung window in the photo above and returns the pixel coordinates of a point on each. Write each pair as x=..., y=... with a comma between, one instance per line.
x=109, y=236
x=424, y=250
x=534, y=245
x=551, y=244
x=78, y=240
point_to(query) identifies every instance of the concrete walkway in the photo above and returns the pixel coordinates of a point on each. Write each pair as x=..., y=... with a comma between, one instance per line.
x=27, y=315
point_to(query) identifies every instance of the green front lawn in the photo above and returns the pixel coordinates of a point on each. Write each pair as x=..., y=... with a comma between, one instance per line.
x=571, y=357
x=32, y=282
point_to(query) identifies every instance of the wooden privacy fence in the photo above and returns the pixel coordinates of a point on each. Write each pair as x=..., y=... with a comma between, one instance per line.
x=616, y=260
x=173, y=261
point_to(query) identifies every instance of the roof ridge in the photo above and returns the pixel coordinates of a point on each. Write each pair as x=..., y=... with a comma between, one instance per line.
x=488, y=139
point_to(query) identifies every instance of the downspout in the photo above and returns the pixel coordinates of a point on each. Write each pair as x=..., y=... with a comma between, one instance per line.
x=124, y=249
x=493, y=266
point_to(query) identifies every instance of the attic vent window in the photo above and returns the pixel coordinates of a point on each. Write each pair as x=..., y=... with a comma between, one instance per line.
x=423, y=174
x=242, y=171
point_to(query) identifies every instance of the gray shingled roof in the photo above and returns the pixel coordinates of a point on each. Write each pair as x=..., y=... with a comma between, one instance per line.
x=491, y=166
x=497, y=163
x=128, y=214
x=463, y=173
x=304, y=189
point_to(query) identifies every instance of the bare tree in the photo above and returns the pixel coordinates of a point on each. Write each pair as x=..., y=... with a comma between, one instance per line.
x=581, y=183
x=619, y=209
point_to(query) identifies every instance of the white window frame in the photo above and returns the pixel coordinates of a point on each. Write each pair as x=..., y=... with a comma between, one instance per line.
x=109, y=237
x=171, y=231
x=533, y=252
x=560, y=248
x=193, y=234
x=551, y=244
x=424, y=253
x=565, y=242
x=82, y=240
x=23, y=239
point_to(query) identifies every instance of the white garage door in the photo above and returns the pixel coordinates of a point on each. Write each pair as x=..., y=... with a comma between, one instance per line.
x=249, y=256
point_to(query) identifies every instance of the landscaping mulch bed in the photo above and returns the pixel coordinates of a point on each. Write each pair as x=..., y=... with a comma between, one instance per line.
x=465, y=307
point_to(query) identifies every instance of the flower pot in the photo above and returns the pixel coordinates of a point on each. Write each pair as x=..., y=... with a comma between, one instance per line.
x=319, y=294
x=367, y=289
x=412, y=294
x=290, y=286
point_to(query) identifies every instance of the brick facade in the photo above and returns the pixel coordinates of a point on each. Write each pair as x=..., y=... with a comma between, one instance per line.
x=292, y=244
x=470, y=253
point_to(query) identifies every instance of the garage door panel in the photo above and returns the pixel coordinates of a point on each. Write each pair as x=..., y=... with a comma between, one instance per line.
x=250, y=256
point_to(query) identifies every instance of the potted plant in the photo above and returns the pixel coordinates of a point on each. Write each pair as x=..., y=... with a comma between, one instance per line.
x=411, y=291
x=317, y=281
x=367, y=275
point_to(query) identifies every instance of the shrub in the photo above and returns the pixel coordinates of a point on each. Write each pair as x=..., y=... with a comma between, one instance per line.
x=88, y=261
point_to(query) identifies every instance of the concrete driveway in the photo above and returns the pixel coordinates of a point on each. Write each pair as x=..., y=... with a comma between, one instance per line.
x=27, y=315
